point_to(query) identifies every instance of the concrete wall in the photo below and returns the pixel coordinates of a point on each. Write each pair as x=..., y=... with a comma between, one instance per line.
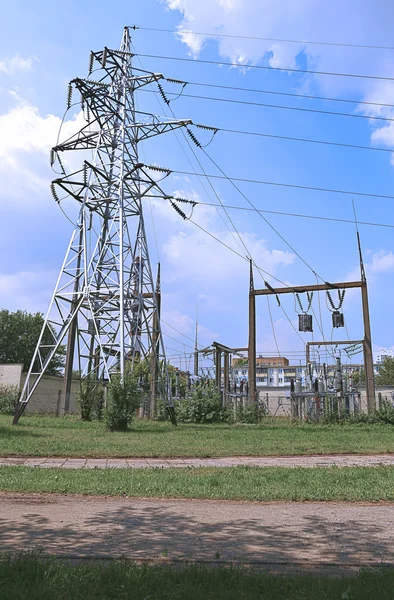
x=48, y=396
x=10, y=374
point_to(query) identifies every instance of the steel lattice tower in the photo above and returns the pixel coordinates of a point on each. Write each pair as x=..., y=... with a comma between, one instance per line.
x=105, y=303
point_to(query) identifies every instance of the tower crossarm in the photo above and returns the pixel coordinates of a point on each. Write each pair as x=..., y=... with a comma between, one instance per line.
x=148, y=130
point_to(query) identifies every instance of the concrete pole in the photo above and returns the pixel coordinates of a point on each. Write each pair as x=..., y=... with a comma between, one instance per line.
x=252, y=339
x=368, y=356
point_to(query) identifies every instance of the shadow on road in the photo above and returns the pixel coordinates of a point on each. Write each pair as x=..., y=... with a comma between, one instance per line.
x=198, y=531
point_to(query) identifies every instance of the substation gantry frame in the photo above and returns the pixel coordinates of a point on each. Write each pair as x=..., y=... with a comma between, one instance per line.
x=270, y=291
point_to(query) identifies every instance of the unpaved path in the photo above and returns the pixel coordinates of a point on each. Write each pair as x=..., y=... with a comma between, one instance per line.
x=339, y=460
x=305, y=534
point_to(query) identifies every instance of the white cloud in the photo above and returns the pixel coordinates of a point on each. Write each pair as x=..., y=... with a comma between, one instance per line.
x=186, y=325
x=308, y=20
x=25, y=142
x=382, y=262
x=16, y=63
x=26, y=290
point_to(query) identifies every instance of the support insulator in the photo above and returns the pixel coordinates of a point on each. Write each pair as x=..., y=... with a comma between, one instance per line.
x=91, y=62
x=85, y=174
x=69, y=95
x=54, y=193
x=193, y=137
x=104, y=59
x=162, y=94
x=178, y=210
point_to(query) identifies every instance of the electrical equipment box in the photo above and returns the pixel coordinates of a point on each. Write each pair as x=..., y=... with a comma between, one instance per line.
x=305, y=322
x=338, y=319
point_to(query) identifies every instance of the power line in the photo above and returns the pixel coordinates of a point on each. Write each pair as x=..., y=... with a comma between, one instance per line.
x=262, y=216
x=276, y=93
x=266, y=67
x=278, y=106
x=298, y=215
x=310, y=141
x=177, y=330
x=235, y=252
x=178, y=341
x=290, y=185
x=266, y=39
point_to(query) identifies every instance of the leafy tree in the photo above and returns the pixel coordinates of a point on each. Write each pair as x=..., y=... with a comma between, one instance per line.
x=386, y=372
x=19, y=333
x=358, y=377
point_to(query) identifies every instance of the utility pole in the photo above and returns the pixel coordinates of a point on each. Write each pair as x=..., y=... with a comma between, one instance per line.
x=368, y=355
x=196, y=347
x=252, y=339
x=105, y=295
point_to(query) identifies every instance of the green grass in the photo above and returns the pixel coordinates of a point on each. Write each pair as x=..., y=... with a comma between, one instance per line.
x=49, y=436
x=230, y=483
x=45, y=579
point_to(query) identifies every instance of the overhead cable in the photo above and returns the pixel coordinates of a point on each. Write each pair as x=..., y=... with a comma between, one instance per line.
x=307, y=140
x=265, y=39
x=278, y=106
x=262, y=216
x=276, y=93
x=298, y=215
x=266, y=67
x=289, y=185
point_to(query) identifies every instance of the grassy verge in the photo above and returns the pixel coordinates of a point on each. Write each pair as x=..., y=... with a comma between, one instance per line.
x=49, y=436
x=232, y=483
x=38, y=579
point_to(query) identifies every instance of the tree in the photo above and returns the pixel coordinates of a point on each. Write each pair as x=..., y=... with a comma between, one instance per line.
x=358, y=377
x=19, y=333
x=386, y=372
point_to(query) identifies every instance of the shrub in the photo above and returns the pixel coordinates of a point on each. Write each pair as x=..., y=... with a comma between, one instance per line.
x=251, y=413
x=86, y=398
x=9, y=396
x=123, y=401
x=202, y=406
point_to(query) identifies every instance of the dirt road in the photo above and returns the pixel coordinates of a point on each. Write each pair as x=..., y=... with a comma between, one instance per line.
x=305, y=534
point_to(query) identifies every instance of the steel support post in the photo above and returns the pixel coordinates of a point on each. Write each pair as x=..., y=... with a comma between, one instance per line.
x=218, y=369
x=368, y=356
x=155, y=347
x=226, y=378
x=252, y=339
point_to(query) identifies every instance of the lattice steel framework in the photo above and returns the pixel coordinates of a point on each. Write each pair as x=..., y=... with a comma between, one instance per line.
x=105, y=303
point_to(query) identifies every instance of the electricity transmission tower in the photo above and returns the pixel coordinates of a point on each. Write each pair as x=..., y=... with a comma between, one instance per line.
x=105, y=306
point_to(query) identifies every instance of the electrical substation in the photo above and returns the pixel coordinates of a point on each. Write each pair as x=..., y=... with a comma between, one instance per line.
x=106, y=306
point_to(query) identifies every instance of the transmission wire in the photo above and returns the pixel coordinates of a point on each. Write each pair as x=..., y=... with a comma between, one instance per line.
x=264, y=39
x=266, y=67
x=278, y=106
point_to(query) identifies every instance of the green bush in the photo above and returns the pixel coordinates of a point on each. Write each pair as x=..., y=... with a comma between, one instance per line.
x=87, y=398
x=9, y=396
x=202, y=406
x=385, y=414
x=251, y=413
x=123, y=400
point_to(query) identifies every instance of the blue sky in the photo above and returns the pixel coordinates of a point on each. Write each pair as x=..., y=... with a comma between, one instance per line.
x=43, y=46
